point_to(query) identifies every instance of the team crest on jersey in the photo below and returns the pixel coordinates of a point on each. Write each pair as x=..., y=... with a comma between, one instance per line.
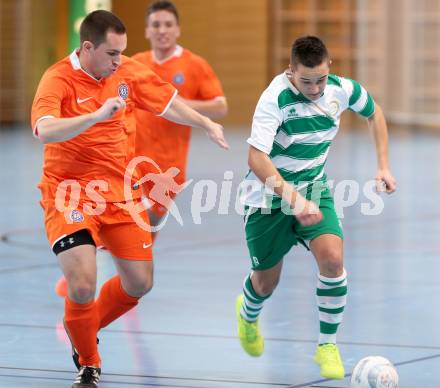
x=333, y=108
x=123, y=91
x=178, y=79
x=76, y=216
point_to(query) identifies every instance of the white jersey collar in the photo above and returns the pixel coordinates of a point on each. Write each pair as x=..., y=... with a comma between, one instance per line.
x=177, y=53
x=74, y=61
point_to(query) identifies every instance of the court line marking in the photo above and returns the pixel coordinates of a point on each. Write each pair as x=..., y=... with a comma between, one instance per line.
x=158, y=333
x=303, y=385
x=102, y=381
x=323, y=386
x=189, y=379
x=5, y=239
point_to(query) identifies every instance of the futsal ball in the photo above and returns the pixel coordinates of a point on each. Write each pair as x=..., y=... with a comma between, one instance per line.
x=374, y=372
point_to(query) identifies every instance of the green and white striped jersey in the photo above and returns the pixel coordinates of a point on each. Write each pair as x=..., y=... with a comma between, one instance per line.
x=297, y=133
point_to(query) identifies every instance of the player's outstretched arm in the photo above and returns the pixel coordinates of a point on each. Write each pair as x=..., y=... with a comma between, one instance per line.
x=305, y=211
x=55, y=130
x=180, y=113
x=384, y=178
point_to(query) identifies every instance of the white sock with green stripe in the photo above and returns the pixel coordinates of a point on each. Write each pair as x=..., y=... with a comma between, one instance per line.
x=331, y=296
x=252, y=303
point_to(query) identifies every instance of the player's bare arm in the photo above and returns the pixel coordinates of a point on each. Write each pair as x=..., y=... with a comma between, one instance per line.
x=55, y=130
x=180, y=113
x=214, y=108
x=384, y=177
x=305, y=211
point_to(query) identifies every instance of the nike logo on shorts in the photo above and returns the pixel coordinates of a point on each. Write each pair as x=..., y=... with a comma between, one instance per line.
x=145, y=246
x=81, y=100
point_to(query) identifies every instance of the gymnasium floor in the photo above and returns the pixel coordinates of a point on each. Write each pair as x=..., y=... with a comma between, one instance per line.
x=183, y=333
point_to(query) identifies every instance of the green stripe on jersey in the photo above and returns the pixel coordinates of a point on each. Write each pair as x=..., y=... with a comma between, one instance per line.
x=288, y=97
x=333, y=80
x=368, y=109
x=307, y=125
x=355, y=94
x=301, y=176
x=301, y=151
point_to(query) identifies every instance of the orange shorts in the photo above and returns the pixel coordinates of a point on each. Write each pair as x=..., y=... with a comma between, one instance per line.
x=115, y=228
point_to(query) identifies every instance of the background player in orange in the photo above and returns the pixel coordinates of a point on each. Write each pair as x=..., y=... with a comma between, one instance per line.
x=163, y=141
x=83, y=112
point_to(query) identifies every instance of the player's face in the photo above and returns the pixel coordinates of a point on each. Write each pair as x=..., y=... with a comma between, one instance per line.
x=310, y=81
x=162, y=30
x=106, y=58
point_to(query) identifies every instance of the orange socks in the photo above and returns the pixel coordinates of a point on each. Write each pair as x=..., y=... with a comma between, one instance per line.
x=113, y=301
x=82, y=321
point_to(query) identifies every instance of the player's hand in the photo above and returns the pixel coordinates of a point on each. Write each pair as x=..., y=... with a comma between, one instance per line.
x=385, y=181
x=215, y=133
x=109, y=108
x=306, y=212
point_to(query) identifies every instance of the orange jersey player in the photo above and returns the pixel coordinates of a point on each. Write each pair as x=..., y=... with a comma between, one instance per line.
x=83, y=113
x=163, y=141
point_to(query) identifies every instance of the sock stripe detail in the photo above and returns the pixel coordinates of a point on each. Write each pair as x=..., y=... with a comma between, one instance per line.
x=252, y=303
x=331, y=296
x=254, y=309
x=330, y=302
x=327, y=310
x=332, y=284
x=329, y=286
x=249, y=316
x=328, y=328
x=250, y=297
x=330, y=281
x=330, y=318
x=247, y=285
x=337, y=291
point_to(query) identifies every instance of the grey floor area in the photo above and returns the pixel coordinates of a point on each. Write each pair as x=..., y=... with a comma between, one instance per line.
x=183, y=333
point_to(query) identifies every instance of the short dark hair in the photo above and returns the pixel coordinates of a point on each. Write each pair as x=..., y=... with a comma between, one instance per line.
x=309, y=51
x=96, y=24
x=162, y=5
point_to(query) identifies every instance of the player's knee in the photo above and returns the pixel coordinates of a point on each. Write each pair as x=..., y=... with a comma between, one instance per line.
x=332, y=262
x=264, y=287
x=82, y=293
x=145, y=287
x=140, y=286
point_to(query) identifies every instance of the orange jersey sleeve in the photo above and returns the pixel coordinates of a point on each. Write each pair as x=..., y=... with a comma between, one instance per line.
x=52, y=91
x=209, y=85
